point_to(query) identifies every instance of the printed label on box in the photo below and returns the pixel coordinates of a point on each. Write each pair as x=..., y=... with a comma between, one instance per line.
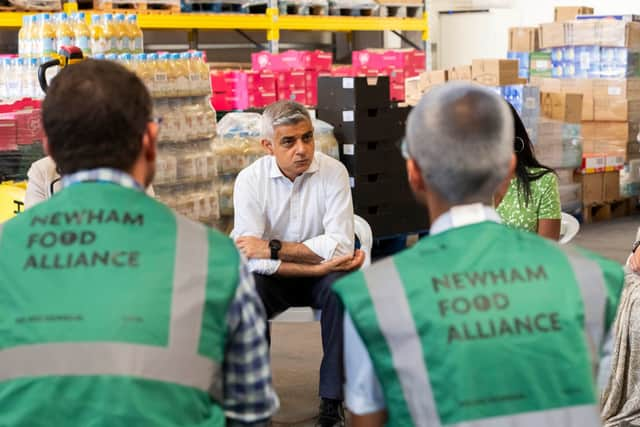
x=347, y=116
x=352, y=182
x=594, y=162
x=348, y=149
x=615, y=91
x=541, y=65
x=347, y=83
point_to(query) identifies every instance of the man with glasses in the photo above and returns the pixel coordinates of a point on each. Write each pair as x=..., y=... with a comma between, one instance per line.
x=478, y=324
x=294, y=221
x=116, y=310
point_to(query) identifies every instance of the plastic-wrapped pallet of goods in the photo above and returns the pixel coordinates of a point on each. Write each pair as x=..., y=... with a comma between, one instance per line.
x=559, y=144
x=186, y=166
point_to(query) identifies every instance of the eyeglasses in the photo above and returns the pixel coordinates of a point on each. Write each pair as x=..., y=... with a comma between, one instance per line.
x=156, y=120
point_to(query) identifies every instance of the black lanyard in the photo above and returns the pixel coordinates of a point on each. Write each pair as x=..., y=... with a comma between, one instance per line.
x=52, y=184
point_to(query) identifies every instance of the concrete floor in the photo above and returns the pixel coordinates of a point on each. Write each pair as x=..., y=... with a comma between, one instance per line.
x=296, y=349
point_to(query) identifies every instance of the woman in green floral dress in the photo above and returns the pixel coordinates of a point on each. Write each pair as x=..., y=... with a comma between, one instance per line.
x=532, y=200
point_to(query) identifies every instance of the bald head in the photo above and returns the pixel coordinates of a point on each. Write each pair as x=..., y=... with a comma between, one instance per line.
x=461, y=137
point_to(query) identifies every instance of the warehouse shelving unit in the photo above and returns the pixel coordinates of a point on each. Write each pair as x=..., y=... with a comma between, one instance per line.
x=271, y=22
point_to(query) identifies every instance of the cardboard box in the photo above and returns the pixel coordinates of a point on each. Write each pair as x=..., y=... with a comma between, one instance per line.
x=585, y=88
x=495, y=72
x=615, y=152
x=614, y=161
x=610, y=131
x=593, y=163
x=523, y=39
x=592, y=187
x=564, y=107
x=552, y=35
x=616, y=110
x=461, y=72
x=623, y=88
x=432, y=78
x=612, y=33
x=582, y=33
x=569, y=13
x=611, y=186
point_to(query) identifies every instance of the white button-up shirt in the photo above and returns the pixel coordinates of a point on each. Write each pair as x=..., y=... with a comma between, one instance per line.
x=315, y=209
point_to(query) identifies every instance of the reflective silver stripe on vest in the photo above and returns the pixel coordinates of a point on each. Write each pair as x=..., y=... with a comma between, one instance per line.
x=399, y=329
x=142, y=361
x=573, y=416
x=594, y=297
x=189, y=285
x=179, y=363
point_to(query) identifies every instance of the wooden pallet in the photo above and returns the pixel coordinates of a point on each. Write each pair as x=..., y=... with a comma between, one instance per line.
x=224, y=7
x=296, y=9
x=605, y=211
x=360, y=11
x=398, y=11
x=137, y=7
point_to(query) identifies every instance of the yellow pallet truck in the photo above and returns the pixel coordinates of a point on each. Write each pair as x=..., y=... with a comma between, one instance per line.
x=12, y=193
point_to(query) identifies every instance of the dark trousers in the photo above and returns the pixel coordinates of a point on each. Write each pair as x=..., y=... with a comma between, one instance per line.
x=279, y=294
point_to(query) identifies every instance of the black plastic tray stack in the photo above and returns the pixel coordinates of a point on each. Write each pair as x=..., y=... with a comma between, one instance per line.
x=369, y=129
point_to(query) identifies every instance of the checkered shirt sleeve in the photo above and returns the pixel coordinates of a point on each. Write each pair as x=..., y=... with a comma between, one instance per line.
x=249, y=396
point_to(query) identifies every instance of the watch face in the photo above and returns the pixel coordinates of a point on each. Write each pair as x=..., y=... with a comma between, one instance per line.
x=275, y=245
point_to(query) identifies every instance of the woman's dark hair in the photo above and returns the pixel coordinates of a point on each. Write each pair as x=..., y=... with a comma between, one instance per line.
x=526, y=158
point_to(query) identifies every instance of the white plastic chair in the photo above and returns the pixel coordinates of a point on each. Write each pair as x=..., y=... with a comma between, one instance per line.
x=363, y=232
x=569, y=227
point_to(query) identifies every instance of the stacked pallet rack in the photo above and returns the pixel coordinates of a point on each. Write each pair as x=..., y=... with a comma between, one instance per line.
x=271, y=22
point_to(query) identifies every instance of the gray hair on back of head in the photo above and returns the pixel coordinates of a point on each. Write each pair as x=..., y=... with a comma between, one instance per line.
x=282, y=113
x=461, y=136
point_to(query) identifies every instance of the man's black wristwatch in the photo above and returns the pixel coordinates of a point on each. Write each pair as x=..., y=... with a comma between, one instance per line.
x=275, y=246
x=635, y=246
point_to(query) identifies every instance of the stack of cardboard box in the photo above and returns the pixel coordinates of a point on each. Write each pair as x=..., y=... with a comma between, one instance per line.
x=600, y=60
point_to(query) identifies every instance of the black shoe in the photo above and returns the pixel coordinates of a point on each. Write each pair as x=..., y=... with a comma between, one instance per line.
x=331, y=413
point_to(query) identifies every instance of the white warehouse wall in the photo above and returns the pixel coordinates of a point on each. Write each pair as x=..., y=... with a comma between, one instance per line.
x=460, y=37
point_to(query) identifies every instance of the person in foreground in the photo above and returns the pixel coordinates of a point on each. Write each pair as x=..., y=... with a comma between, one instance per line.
x=478, y=324
x=115, y=310
x=532, y=200
x=621, y=396
x=44, y=181
x=294, y=221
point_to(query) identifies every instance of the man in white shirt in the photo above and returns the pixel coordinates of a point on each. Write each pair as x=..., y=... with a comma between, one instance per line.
x=294, y=222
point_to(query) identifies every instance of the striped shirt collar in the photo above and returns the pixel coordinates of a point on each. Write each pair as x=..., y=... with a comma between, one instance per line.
x=105, y=175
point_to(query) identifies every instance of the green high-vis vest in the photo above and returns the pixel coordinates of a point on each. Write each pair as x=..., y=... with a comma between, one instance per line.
x=484, y=326
x=113, y=313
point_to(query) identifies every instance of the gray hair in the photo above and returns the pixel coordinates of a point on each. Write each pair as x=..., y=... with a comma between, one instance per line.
x=461, y=136
x=282, y=113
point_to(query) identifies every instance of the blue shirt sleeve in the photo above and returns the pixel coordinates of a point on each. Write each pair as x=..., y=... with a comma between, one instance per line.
x=363, y=393
x=249, y=396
